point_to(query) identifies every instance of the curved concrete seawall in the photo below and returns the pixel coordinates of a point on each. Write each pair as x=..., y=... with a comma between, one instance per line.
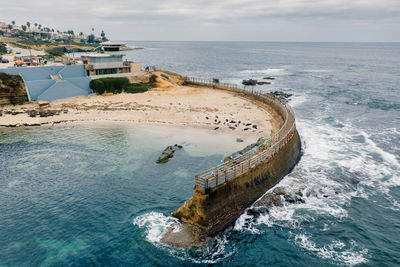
x=222, y=193
x=214, y=209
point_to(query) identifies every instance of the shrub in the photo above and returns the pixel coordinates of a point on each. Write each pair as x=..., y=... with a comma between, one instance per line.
x=3, y=48
x=109, y=85
x=153, y=78
x=137, y=88
x=97, y=86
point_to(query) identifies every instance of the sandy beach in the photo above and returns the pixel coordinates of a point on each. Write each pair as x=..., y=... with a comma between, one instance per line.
x=168, y=104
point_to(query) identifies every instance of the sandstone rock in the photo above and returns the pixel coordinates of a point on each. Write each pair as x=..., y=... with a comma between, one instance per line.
x=43, y=103
x=48, y=113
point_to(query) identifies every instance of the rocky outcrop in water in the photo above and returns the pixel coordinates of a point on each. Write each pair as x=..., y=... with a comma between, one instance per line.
x=252, y=82
x=275, y=198
x=249, y=82
x=168, y=153
x=281, y=95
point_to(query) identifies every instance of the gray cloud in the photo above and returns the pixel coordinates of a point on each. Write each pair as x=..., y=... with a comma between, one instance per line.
x=291, y=20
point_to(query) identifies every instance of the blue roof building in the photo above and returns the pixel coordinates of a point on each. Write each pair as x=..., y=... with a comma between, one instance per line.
x=53, y=82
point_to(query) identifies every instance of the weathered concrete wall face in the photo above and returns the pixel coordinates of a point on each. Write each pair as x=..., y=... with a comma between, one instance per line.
x=12, y=89
x=214, y=209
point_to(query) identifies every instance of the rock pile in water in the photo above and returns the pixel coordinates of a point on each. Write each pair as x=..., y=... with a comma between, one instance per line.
x=275, y=198
x=168, y=153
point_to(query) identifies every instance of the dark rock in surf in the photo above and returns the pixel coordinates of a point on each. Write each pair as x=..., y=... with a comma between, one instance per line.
x=249, y=82
x=168, y=153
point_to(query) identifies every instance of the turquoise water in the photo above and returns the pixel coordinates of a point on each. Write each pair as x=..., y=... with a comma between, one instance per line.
x=92, y=194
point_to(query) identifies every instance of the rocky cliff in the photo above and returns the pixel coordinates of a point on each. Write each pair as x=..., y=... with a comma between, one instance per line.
x=12, y=89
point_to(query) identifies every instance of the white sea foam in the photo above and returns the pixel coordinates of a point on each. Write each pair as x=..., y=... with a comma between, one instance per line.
x=297, y=100
x=266, y=71
x=155, y=224
x=338, y=163
x=334, y=251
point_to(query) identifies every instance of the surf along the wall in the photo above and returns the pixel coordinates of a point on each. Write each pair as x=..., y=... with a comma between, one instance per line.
x=222, y=193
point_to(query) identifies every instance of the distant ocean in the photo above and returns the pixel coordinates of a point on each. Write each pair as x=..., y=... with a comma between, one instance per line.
x=92, y=195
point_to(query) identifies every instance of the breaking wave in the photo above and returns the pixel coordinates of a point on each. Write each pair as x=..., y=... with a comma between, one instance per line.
x=266, y=71
x=155, y=224
x=339, y=163
x=336, y=251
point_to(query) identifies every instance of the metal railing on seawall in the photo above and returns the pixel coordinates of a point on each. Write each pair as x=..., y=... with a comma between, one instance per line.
x=238, y=165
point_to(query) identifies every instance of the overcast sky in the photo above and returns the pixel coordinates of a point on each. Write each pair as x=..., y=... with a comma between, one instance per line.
x=236, y=20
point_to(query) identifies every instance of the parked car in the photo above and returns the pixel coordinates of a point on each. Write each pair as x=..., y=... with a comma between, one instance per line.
x=4, y=60
x=17, y=52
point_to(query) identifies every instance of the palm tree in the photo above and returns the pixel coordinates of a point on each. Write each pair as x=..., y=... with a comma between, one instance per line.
x=103, y=36
x=36, y=24
x=23, y=27
x=13, y=22
x=28, y=24
x=40, y=26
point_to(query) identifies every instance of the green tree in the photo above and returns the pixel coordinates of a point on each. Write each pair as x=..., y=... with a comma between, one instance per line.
x=40, y=26
x=36, y=24
x=28, y=24
x=3, y=48
x=103, y=35
x=9, y=27
x=23, y=27
x=13, y=22
x=91, y=38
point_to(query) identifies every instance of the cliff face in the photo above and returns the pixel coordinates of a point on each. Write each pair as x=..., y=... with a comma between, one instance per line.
x=214, y=210
x=12, y=89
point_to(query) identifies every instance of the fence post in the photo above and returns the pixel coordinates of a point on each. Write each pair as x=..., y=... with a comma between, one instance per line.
x=216, y=175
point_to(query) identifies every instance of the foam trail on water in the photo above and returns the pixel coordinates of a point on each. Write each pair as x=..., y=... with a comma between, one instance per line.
x=338, y=163
x=155, y=224
x=266, y=71
x=335, y=251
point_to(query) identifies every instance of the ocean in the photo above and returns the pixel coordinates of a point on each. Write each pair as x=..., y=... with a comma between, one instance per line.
x=83, y=195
